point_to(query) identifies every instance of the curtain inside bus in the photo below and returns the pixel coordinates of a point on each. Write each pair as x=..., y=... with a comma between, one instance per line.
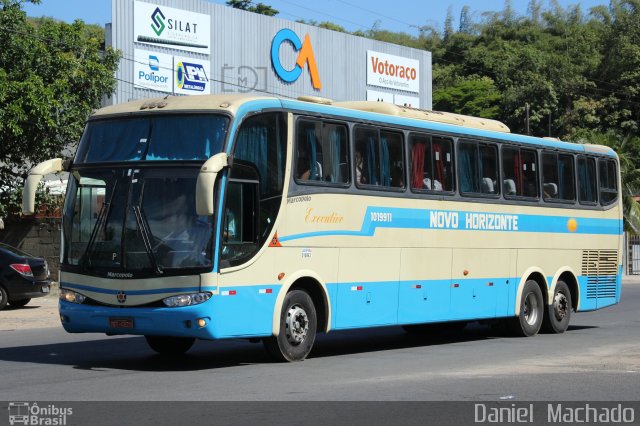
x=157, y=138
x=385, y=167
x=252, y=147
x=335, y=144
x=417, y=165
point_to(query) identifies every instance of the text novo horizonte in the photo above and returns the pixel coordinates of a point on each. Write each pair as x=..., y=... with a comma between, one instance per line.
x=474, y=221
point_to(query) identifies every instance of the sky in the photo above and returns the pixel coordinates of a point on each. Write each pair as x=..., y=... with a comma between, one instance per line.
x=403, y=15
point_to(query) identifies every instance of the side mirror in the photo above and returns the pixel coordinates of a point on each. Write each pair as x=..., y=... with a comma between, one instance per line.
x=33, y=179
x=206, y=181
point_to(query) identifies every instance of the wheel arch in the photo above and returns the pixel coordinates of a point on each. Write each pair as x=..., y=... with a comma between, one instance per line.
x=537, y=275
x=310, y=282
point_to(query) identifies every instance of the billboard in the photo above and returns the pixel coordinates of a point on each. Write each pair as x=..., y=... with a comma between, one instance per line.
x=169, y=27
x=153, y=70
x=393, y=72
x=191, y=76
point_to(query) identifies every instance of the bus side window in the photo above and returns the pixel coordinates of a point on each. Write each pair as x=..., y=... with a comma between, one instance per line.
x=519, y=172
x=391, y=159
x=321, y=152
x=367, y=165
x=558, y=181
x=587, y=183
x=379, y=159
x=608, y=181
x=478, y=168
x=431, y=163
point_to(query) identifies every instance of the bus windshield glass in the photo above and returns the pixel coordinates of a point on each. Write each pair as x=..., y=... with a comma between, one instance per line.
x=153, y=138
x=139, y=220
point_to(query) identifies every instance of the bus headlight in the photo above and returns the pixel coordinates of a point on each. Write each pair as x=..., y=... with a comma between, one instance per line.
x=186, y=299
x=71, y=296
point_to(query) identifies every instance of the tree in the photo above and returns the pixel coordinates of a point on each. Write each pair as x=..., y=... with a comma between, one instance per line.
x=475, y=96
x=448, y=23
x=465, y=20
x=52, y=76
x=247, y=5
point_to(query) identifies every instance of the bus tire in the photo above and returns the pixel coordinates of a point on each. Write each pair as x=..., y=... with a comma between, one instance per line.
x=170, y=346
x=529, y=321
x=558, y=314
x=298, y=326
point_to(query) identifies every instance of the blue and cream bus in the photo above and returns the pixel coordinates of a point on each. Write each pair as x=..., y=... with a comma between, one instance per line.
x=225, y=216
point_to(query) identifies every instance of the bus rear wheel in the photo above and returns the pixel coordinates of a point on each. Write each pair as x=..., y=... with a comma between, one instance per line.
x=529, y=321
x=170, y=346
x=558, y=315
x=298, y=325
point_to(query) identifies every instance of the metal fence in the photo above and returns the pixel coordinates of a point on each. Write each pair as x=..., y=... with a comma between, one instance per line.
x=633, y=254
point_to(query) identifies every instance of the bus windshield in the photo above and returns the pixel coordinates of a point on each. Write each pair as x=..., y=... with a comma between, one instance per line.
x=153, y=138
x=140, y=220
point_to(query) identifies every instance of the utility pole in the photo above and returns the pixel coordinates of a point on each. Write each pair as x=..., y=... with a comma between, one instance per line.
x=526, y=105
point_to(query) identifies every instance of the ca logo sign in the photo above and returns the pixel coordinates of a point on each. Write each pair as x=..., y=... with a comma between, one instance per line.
x=305, y=56
x=157, y=18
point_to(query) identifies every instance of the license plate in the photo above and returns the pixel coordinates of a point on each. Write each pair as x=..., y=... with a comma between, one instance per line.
x=121, y=322
x=45, y=289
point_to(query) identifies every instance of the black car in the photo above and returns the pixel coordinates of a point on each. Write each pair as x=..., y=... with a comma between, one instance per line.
x=22, y=277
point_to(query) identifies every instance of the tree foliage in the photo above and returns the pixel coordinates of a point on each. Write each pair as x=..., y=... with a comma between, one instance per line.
x=52, y=76
x=248, y=5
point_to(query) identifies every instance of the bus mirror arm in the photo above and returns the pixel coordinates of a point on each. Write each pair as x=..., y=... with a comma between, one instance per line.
x=34, y=177
x=206, y=181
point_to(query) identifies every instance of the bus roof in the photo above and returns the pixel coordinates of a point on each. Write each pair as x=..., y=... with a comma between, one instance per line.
x=462, y=125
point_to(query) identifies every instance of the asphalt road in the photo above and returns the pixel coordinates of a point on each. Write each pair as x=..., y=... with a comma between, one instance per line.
x=597, y=359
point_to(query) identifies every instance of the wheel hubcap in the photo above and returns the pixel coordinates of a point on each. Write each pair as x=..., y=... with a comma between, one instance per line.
x=531, y=309
x=297, y=325
x=560, y=306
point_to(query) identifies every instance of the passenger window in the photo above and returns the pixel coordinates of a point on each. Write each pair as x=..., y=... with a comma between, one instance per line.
x=608, y=181
x=520, y=176
x=431, y=163
x=587, y=184
x=478, y=168
x=378, y=158
x=558, y=177
x=322, y=153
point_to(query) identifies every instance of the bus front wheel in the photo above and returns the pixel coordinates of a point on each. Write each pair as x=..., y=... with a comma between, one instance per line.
x=298, y=325
x=529, y=321
x=558, y=315
x=170, y=346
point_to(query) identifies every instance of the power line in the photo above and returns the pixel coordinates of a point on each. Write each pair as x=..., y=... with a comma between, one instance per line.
x=379, y=14
x=325, y=14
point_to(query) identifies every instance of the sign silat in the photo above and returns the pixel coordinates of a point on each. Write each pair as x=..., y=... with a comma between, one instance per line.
x=173, y=28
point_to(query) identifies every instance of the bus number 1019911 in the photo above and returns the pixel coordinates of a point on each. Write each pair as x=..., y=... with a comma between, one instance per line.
x=381, y=217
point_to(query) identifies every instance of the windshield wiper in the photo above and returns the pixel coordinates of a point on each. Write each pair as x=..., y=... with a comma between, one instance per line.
x=141, y=220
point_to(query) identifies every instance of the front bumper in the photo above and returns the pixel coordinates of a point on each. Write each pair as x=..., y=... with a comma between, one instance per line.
x=178, y=322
